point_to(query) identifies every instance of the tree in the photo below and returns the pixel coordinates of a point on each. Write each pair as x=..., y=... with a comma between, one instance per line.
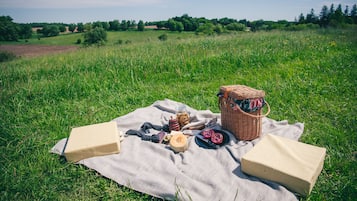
x=207, y=28
x=311, y=18
x=244, y=21
x=50, y=30
x=226, y=21
x=332, y=9
x=235, y=26
x=105, y=25
x=257, y=25
x=346, y=12
x=25, y=31
x=97, y=24
x=187, y=24
x=179, y=26
x=301, y=19
x=171, y=24
x=114, y=25
x=348, y=18
x=71, y=27
x=80, y=27
x=87, y=26
x=160, y=24
x=354, y=13
x=324, y=16
x=218, y=28
x=8, y=29
x=97, y=36
x=124, y=25
x=338, y=15
x=141, y=26
x=62, y=28
x=131, y=24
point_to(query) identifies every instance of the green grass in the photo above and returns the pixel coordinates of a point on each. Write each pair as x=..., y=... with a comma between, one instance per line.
x=308, y=76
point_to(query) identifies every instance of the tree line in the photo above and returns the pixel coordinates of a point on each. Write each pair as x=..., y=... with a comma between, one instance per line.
x=10, y=31
x=328, y=17
x=331, y=16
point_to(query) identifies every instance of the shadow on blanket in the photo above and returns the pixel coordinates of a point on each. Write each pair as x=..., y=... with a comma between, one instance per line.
x=196, y=174
x=238, y=172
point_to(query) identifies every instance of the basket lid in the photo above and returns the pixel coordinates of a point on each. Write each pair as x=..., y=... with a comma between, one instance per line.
x=241, y=92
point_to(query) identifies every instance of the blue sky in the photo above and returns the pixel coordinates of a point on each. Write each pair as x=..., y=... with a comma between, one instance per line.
x=74, y=11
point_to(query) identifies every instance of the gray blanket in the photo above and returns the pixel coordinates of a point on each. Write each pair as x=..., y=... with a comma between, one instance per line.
x=196, y=174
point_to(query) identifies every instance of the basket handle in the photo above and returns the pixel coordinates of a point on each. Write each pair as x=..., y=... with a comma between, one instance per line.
x=256, y=116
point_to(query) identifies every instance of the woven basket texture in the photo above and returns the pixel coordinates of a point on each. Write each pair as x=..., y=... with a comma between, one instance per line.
x=242, y=125
x=241, y=92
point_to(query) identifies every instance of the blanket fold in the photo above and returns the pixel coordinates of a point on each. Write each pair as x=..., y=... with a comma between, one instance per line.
x=196, y=174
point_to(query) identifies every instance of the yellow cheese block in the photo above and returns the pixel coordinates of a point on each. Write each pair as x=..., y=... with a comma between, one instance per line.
x=293, y=164
x=92, y=140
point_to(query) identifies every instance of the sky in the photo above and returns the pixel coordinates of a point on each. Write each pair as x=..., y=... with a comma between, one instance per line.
x=75, y=11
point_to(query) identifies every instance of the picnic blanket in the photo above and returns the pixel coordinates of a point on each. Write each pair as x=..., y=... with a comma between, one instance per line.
x=196, y=174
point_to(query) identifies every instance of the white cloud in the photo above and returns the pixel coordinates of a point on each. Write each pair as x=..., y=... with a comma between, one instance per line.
x=74, y=3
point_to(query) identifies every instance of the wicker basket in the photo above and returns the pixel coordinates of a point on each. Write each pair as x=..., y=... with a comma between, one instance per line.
x=244, y=125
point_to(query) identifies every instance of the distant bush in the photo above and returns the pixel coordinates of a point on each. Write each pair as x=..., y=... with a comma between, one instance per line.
x=25, y=31
x=62, y=28
x=141, y=26
x=79, y=41
x=71, y=27
x=119, y=42
x=300, y=27
x=50, y=30
x=96, y=36
x=6, y=56
x=218, y=29
x=163, y=37
x=210, y=29
x=236, y=27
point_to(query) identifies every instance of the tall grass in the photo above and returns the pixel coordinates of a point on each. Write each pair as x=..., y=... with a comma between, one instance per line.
x=309, y=76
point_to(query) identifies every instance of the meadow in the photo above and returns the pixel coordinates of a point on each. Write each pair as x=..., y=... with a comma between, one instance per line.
x=309, y=76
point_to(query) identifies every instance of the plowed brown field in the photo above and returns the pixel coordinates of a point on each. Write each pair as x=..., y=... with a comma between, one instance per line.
x=36, y=50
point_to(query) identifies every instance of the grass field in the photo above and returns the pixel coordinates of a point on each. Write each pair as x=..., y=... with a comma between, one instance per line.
x=113, y=38
x=309, y=77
